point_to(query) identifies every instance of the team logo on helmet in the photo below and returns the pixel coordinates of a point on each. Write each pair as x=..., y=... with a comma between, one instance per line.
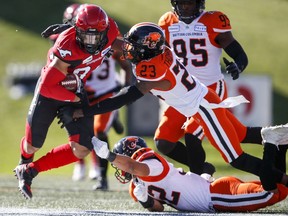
x=131, y=142
x=152, y=39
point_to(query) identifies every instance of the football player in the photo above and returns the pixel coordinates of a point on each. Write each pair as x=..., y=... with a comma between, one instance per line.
x=198, y=38
x=80, y=49
x=159, y=71
x=155, y=182
x=103, y=82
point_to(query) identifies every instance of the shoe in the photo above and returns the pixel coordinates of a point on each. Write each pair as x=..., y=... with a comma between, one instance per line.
x=101, y=185
x=25, y=174
x=25, y=161
x=94, y=173
x=209, y=168
x=79, y=172
x=277, y=135
x=117, y=125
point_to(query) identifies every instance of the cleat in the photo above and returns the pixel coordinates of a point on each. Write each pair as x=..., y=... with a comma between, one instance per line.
x=277, y=135
x=101, y=185
x=94, y=173
x=25, y=174
x=79, y=172
x=25, y=161
x=117, y=125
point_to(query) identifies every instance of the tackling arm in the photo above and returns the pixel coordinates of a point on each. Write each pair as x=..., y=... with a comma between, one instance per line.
x=131, y=166
x=122, y=162
x=126, y=96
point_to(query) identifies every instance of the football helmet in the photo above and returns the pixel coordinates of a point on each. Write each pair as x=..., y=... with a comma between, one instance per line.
x=188, y=10
x=127, y=146
x=91, y=25
x=70, y=14
x=143, y=41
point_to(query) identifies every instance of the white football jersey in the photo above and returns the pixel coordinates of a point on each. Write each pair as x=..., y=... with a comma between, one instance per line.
x=103, y=79
x=194, y=43
x=186, y=92
x=191, y=192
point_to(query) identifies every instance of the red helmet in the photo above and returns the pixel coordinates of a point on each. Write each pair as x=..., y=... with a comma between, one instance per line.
x=92, y=25
x=70, y=13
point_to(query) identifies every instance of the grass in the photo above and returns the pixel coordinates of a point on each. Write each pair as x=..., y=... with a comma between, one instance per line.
x=262, y=32
x=59, y=193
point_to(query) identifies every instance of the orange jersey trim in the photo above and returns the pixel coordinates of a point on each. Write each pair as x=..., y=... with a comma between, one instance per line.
x=167, y=20
x=146, y=153
x=157, y=68
x=215, y=21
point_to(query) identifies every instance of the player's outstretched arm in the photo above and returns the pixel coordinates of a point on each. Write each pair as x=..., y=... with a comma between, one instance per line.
x=122, y=162
x=126, y=96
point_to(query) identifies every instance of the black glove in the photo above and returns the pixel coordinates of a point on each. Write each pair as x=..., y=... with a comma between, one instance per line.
x=232, y=68
x=68, y=114
x=54, y=29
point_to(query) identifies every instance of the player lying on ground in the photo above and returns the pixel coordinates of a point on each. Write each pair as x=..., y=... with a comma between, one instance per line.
x=155, y=182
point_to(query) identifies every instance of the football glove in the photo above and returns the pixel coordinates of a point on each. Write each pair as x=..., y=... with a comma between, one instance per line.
x=100, y=147
x=54, y=29
x=68, y=114
x=140, y=192
x=232, y=68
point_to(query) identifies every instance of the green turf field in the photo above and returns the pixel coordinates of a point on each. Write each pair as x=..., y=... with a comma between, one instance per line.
x=259, y=25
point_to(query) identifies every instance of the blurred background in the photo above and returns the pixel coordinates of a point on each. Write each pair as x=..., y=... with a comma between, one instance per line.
x=259, y=25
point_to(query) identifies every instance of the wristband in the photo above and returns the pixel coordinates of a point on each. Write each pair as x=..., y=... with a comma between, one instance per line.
x=149, y=203
x=111, y=157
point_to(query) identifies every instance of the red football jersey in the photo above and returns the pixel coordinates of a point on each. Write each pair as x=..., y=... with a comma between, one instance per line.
x=81, y=62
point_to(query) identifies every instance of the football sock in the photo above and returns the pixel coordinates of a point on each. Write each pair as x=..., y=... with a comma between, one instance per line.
x=24, y=154
x=269, y=176
x=94, y=158
x=179, y=153
x=195, y=153
x=280, y=159
x=253, y=135
x=103, y=167
x=103, y=162
x=57, y=157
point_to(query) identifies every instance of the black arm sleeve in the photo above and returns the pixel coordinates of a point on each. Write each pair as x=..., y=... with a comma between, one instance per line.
x=127, y=95
x=236, y=52
x=55, y=29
